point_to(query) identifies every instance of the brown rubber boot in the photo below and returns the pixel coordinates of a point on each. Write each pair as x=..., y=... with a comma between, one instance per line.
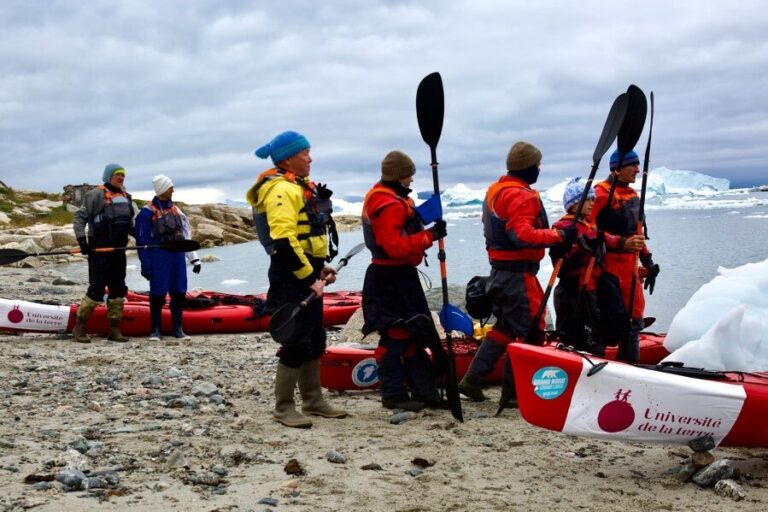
x=115, y=314
x=84, y=312
x=285, y=408
x=312, y=394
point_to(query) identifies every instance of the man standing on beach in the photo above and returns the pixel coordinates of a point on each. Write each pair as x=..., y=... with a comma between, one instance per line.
x=516, y=232
x=620, y=218
x=108, y=213
x=292, y=217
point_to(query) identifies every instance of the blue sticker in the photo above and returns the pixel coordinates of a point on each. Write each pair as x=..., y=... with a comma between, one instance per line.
x=549, y=382
x=365, y=373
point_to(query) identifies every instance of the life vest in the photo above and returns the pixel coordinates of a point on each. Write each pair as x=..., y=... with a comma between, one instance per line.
x=622, y=215
x=576, y=260
x=115, y=217
x=497, y=242
x=316, y=213
x=166, y=223
x=411, y=226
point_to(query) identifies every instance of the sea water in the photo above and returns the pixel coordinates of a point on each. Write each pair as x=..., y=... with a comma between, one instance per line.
x=689, y=244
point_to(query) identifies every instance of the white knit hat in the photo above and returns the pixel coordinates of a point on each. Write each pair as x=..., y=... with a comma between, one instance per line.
x=161, y=183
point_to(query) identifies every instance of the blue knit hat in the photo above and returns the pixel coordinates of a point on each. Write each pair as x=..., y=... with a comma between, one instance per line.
x=572, y=193
x=283, y=146
x=109, y=170
x=629, y=159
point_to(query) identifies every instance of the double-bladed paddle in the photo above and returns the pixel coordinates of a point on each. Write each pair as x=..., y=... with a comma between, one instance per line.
x=640, y=223
x=282, y=324
x=430, y=111
x=8, y=256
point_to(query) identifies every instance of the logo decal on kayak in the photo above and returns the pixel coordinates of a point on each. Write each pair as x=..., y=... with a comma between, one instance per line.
x=15, y=315
x=618, y=414
x=549, y=382
x=365, y=373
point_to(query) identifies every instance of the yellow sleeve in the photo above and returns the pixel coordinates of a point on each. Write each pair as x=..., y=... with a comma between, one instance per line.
x=282, y=202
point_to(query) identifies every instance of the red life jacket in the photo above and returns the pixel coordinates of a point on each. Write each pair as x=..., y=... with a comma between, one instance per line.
x=411, y=225
x=498, y=243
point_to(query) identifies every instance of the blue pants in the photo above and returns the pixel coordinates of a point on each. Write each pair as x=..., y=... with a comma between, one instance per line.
x=169, y=272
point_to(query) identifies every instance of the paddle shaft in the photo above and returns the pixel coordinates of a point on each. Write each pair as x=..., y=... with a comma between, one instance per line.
x=430, y=112
x=8, y=256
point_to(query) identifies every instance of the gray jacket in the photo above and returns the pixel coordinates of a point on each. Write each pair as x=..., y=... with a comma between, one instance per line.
x=93, y=205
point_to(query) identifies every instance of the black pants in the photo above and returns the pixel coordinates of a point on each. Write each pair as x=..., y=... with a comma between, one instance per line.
x=308, y=342
x=106, y=270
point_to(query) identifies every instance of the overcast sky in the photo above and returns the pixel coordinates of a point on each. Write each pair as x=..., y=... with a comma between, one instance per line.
x=191, y=88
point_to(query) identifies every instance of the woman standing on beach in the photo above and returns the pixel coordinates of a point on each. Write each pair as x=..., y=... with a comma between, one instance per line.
x=393, y=300
x=162, y=221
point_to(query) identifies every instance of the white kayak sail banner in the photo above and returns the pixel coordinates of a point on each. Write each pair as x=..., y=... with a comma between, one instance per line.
x=630, y=403
x=19, y=315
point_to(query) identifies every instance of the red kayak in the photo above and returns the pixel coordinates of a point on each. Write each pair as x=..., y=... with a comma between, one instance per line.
x=338, y=306
x=563, y=391
x=221, y=314
x=355, y=367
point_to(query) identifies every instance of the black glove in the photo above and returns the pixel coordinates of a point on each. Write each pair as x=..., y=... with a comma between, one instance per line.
x=650, y=279
x=146, y=274
x=569, y=236
x=589, y=244
x=196, y=267
x=323, y=192
x=647, y=260
x=84, y=247
x=438, y=229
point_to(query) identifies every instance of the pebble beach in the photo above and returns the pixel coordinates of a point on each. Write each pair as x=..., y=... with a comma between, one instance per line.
x=187, y=426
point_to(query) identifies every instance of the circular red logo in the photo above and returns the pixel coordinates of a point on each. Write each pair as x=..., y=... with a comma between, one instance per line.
x=15, y=316
x=616, y=415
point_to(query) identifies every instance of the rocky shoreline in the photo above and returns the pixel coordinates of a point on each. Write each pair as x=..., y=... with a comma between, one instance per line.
x=213, y=225
x=187, y=426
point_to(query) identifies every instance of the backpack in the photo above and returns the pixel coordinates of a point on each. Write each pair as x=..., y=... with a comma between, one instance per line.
x=478, y=303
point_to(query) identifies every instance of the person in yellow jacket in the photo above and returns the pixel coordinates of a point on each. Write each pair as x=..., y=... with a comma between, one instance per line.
x=293, y=221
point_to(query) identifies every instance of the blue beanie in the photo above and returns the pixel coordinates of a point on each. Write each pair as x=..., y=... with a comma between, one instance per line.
x=629, y=158
x=109, y=170
x=283, y=146
x=572, y=193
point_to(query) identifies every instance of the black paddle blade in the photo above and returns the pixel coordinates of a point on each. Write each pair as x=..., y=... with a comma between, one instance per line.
x=634, y=121
x=180, y=245
x=282, y=325
x=345, y=260
x=452, y=390
x=430, y=108
x=8, y=256
x=611, y=127
x=507, y=394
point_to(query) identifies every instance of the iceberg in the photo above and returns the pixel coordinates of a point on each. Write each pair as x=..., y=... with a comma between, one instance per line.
x=673, y=189
x=724, y=325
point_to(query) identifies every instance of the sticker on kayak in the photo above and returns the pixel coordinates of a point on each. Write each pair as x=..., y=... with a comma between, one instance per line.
x=630, y=403
x=365, y=373
x=32, y=316
x=549, y=382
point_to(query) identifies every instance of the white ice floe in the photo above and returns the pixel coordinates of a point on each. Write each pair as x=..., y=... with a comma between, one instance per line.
x=233, y=282
x=724, y=325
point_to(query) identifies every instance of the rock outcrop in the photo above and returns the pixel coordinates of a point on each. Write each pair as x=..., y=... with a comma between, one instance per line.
x=212, y=224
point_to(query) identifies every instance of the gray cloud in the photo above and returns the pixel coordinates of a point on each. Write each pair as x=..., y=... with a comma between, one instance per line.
x=190, y=89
